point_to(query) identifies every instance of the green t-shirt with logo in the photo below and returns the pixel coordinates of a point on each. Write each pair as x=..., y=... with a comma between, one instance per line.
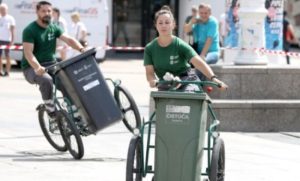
x=174, y=58
x=44, y=40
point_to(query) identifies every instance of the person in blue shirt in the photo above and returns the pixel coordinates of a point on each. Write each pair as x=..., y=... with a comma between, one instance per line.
x=206, y=34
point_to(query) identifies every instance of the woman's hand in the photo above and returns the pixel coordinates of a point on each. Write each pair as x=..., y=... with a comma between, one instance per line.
x=153, y=83
x=222, y=84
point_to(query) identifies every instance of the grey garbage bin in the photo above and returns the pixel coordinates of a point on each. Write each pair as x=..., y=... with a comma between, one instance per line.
x=85, y=85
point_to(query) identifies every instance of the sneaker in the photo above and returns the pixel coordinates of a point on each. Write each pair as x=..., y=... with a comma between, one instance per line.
x=52, y=122
x=52, y=115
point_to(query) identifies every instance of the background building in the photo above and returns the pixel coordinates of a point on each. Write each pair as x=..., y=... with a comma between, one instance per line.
x=140, y=14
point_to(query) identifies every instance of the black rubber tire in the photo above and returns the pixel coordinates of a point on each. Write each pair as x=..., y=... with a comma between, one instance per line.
x=217, y=168
x=69, y=130
x=53, y=137
x=123, y=97
x=134, y=160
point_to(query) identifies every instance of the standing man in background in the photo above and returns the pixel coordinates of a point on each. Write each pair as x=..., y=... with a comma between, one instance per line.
x=188, y=37
x=7, y=36
x=61, y=22
x=288, y=36
x=122, y=20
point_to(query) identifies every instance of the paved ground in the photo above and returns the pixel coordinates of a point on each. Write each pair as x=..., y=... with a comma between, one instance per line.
x=26, y=155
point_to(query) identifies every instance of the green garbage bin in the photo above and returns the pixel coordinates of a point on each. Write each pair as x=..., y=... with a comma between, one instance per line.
x=180, y=131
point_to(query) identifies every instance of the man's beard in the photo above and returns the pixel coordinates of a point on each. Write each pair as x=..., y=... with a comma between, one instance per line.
x=46, y=20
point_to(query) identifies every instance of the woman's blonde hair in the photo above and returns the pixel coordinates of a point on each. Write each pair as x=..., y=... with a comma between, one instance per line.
x=75, y=16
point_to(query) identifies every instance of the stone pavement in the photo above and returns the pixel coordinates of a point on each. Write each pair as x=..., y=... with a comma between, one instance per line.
x=26, y=155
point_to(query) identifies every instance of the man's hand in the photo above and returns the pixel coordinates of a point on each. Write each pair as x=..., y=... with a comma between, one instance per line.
x=193, y=20
x=81, y=50
x=40, y=70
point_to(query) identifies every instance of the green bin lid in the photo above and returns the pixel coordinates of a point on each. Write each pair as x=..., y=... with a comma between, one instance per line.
x=180, y=95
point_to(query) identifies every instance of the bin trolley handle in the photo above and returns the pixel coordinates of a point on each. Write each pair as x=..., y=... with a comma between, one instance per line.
x=52, y=68
x=174, y=83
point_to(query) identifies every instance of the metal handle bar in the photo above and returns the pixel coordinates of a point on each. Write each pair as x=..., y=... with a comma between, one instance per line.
x=185, y=82
x=52, y=68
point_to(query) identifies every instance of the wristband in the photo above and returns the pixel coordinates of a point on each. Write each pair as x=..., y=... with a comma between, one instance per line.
x=212, y=77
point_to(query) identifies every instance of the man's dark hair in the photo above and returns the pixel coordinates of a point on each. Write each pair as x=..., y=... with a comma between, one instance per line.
x=57, y=11
x=41, y=3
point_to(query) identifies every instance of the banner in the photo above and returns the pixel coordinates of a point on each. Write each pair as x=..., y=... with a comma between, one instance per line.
x=231, y=27
x=274, y=24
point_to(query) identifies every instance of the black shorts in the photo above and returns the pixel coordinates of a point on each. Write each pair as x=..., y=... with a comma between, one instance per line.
x=5, y=50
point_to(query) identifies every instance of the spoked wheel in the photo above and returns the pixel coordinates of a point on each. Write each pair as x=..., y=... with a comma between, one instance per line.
x=132, y=118
x=134, y=160
x=71, y=135
x=217, y=169
x=50, y=129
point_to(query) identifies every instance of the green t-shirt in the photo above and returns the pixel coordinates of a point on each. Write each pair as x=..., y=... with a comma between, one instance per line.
x=44, y=40
x=174, y=58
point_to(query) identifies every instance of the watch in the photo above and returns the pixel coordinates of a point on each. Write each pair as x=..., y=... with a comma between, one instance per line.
x=212, y=77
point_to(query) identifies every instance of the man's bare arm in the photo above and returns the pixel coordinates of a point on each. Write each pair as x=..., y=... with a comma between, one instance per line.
x=28, y=49
x=33, y=62
x=72, y=42
x=188, y=27
x=206, y=47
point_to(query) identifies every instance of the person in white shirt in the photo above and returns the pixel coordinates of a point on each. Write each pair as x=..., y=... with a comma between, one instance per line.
x=7, y=36
x=61, y=22
x=79, y=30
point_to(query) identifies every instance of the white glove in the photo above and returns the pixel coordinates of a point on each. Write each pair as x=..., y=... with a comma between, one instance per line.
x=168, y=76
x=177, y=79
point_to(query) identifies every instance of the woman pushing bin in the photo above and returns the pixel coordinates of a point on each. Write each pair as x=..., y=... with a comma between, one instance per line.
x=181, y=112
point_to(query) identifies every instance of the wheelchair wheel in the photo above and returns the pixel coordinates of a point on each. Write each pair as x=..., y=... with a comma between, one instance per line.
x=50, y=129
x=217, y=168
x=71, y=135
x=134, y=160
x=132, y=118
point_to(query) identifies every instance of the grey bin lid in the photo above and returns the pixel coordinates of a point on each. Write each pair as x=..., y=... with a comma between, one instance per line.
x=65, y=63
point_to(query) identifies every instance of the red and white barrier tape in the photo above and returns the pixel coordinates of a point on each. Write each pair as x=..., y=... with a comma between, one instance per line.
x=20, y=47
x=269, y=52
x=260, y=50
x=12, y=47
x=121, y=48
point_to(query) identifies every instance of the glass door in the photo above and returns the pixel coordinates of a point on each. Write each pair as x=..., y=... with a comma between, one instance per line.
x=127, y=22
x=133, y=20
